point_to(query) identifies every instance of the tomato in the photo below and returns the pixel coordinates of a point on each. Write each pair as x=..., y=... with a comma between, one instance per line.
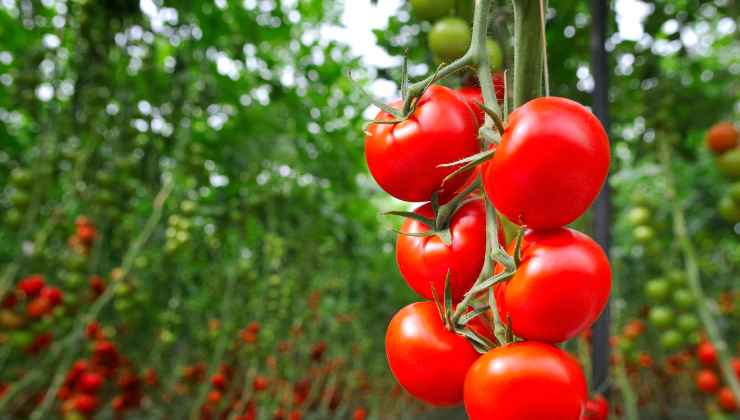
x=729, y=210
x=473, y=96
x=425, y=261
x=31, y=285
x=85, y=403
x=643, y=234
x=707, y=381
x=706, y=353
x=638, y=215
x=661, y=316
x=426, y=359
x=721, y=137
x=495, y=56
x=404, y=157
x=431, y=9
x=683, y=299
x=560, y=287
x=671, y=340
x=736, y=366
x=633, y=329
x=688, y=323
x=90, y=382
x=729, y=163
x=597, y=408
x=726, y=400
x=449, y=39
x=550, y=165
x=657, y=290
x=525, y=381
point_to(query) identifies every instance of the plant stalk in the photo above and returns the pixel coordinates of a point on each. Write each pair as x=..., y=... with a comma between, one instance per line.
x=527, y=51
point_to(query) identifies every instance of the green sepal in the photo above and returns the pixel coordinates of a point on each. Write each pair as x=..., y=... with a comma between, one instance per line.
x=481, y=344
x=412, y=215
x=469, y=316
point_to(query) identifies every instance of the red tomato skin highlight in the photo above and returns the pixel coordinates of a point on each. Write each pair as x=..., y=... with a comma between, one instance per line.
x=525, y=381
x=560, y=288
x=425, y=261
x=426, y=359
x=404, y=157
x=550, y=165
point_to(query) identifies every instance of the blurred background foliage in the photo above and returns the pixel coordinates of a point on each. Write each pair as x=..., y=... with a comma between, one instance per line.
x=240, y=120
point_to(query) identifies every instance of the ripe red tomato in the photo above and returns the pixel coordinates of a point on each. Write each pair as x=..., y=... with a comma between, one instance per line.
x=85, y=403
x=473, y=96
x=597, y=408
x=525, y=381
x=404, y=157
x=722, y=137
x=31, y=285
x=726, y=400
x=560, y=287
x=706, y=353
x=260, y=383
x=38, y=307
x=425, y=261
x=736, y=366
x=427, y=360
x=707, y=381
x=90, y=382
x=550, y=165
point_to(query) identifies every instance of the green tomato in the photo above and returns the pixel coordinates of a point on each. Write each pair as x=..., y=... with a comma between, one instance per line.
x=20, y=198
x=640, y=197
x=661, y=317
x=13, y=218
x=643, y=234
x=729, y=163
x=687, y=323
x=449, y=39
x=21, y=177
x=676, y=277
x=671, y=340
x=431, y=9
x=638, y=215
x=657, y=290
x=734, y=193
x=495, y=57
x=683, y=299
x=626, y=346
x=729, y=210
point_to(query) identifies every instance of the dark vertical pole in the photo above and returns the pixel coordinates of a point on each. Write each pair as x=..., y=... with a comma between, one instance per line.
x=602, y=207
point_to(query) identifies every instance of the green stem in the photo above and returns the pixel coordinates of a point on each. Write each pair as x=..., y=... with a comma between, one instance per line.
x=527, y=51
x=692, y=269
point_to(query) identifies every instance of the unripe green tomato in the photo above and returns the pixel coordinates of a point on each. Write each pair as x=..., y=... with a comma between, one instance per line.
x=122, y=305
x=121, y=289
x=661, y=317
x=167, y=337
x=683, y=299
x=626, y=346
x=449, y=39
x=729, y=163
x=75, y=262
x=13, y=218
x=643, y=234
x=640, y=198
x=638, y=215
x=688, y=323
x=20, y=339
x=431, y=9
x=734, y=193
x=73, y=280
x=495, y=57
x=657, y=290
x=21, y=177
x=729, y=210
x=187, y=207
x=20, y=199
x=676, y=277
x=671, y=340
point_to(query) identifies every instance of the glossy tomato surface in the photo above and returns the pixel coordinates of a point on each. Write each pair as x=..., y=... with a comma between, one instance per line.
x=427, y=360
x=404, y=157
x=560, y=287
x=425, y=261
x=550, y=165
x=525, y=381
x=473, y=96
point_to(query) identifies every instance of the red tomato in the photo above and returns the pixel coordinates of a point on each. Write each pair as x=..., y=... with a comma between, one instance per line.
x=85, y=403
x=90, y=382
x=726, y=400
x=721, y=137
x=736, y=367
x=550, y=165
x=560, y=287
x=404, y=157
x=38, y=307
x=218, y=381
x=473, y=96
x=260, y=383
x=597, y=408
x=31, y=285
x=52, y=294
x=425, y=261
x=428, y=361
x=706, y=353
x=525, y=381
x=707, y=381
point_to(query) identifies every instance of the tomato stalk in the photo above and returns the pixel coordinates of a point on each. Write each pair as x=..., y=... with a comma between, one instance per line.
x=692, y=269
x=528, y=51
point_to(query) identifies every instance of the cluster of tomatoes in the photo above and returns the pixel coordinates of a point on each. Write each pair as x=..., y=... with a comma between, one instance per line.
x=547, y=169
x=672, y=311
x=19, y=196
x=722, y=140
x=25, y=317
x=707, y=380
